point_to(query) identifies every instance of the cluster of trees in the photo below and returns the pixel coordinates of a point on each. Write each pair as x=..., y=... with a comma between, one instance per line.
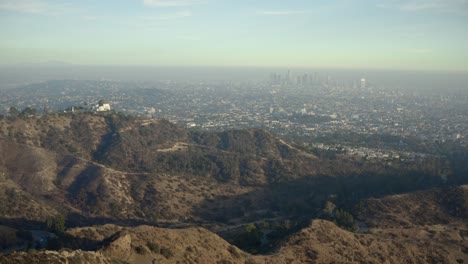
x=24, y=113
x=345, y=220
x=262, y=237
x=339, y=216
x=56, y=224
x=15, y=113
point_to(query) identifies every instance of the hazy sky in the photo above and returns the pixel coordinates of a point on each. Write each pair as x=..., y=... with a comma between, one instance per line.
x=386, y=34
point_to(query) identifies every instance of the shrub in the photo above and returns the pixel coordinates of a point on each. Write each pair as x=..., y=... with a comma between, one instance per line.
x=166, y=252
x=154, y=247
x=141, y=250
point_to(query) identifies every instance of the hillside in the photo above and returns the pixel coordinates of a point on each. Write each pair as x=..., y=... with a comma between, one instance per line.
x=324, y=242
x=320, y=242
x=253, y=189
x=143, y=169
x=439, y=206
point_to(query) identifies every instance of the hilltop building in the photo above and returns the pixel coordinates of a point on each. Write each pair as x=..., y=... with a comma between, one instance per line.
x=103, y=105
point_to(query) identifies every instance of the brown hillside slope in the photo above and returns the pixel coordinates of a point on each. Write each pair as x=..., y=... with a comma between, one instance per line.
x=143, y=244
x=112, y=169
x=436, y=206
x=120, y=167
x=321, y=242
x=324, y=242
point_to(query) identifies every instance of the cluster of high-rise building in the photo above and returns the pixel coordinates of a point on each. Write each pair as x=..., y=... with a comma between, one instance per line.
x=289, y=79
x=314, y=79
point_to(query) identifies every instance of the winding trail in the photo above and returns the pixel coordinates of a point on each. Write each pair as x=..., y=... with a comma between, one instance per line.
x=111, y=169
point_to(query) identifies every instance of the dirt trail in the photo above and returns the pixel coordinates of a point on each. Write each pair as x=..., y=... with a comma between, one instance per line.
x=300, y=151
x=178, y=146
x=111, y=169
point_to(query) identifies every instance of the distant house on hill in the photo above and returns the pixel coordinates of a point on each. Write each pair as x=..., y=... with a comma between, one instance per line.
x=103, y=105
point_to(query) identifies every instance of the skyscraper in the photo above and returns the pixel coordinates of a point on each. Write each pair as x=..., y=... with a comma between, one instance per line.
x=275, y=79
x=363, y=84
x=305, y=79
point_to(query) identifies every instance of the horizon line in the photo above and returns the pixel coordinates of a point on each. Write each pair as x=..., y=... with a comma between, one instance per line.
x=58, y=63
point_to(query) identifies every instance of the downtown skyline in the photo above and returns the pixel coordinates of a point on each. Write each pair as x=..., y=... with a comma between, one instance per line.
x=385, y=34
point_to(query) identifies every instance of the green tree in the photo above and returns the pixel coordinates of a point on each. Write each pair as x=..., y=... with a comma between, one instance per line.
x=250, y=228
x=251, y=239
x=346, y=220
x=56, y=224
x=14, y=112
x=59, y=224
x=49, y=223
x=28, y=112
